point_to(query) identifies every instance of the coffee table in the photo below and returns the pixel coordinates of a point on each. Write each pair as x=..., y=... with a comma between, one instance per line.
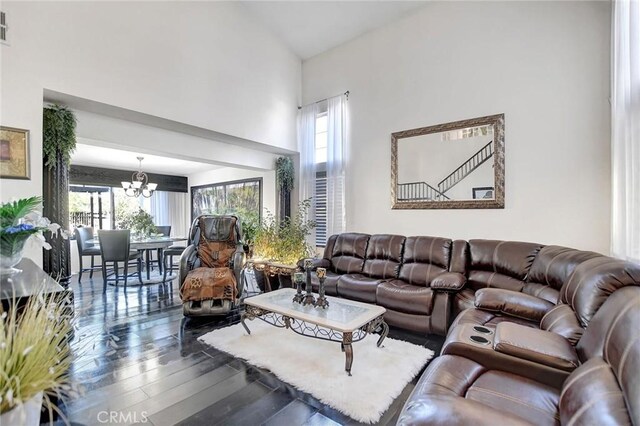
x=345, y=321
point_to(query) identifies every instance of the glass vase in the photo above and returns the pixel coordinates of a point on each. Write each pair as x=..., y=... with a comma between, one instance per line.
x=10, y=256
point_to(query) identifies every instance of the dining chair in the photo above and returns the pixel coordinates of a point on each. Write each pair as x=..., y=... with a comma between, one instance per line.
x=165, y=230
x=168, y=262
x=82, y=235
x=115, y=247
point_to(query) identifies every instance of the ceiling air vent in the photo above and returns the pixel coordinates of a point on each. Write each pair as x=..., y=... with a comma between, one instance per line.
x=3, y=27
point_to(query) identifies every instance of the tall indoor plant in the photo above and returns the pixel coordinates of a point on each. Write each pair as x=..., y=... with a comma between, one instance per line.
x=58, y=143
x=284, y=242
x=285, y=178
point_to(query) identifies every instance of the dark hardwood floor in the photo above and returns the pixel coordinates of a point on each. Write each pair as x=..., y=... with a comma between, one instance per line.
x=139, y=361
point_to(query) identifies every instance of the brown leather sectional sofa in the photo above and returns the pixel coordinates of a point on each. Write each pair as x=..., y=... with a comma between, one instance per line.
x=425, y=282
x=542, y=334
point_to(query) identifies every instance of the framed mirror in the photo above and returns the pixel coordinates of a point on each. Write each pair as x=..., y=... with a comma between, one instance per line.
x=458, y=165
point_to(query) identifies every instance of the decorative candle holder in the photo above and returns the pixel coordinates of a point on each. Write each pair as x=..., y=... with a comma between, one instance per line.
x=298, y=278
x=322, y=301
x=308, y=297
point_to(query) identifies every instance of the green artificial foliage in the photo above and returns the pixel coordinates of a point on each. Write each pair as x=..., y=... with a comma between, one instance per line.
x=285, y=242
x=285, y=173
x=58, y=134
x=35, y=354
x=139, y=222
x=19, y=220
x=13, y=211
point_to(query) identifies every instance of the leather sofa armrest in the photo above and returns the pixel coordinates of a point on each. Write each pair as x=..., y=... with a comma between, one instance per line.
x=238, y=260
x=444, y=409
x=449, y=281
x=539, y=346
x=512, y=303
x=187, y=262
x=317, y=263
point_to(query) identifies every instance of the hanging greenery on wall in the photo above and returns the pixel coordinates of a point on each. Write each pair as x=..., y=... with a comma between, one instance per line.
x=58, y=134
x=284, y=174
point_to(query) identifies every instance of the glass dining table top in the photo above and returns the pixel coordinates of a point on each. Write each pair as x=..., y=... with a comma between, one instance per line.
x=151, y=242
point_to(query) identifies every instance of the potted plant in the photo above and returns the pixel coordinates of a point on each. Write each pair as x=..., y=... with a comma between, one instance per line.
x=140, y=222
x=19, y=221
x=282, y=244
x=34, y=358
x=250, y=223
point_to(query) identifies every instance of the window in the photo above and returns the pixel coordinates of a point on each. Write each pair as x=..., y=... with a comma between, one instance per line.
x=3, y=27
x=242, y=198
x=321, y=180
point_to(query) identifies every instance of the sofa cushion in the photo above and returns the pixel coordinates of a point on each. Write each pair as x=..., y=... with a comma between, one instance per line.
x=483, y=279
x=502, y=264
x=593, y=281
x=384, y=254
x=330, y=283
x=358, y=287
x=464, y=299
x=424, y=259
x=349, y=251
x=405, y=297
x=456, y=390
x=510, y=258
x=554, y=265
x=512, y=303
x=591, y=395
x=492, y=319
x=541, y=291
x=563, y=321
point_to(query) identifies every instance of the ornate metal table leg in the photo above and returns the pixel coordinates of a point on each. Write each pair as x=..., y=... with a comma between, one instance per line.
x=348, y=351
x=383, y=334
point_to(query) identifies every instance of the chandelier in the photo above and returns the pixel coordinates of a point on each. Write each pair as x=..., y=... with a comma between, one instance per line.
x=139, y=184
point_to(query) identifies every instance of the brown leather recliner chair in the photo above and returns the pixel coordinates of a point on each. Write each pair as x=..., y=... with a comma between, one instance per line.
x=603, y=389
x=586, y=280
x=211, y=266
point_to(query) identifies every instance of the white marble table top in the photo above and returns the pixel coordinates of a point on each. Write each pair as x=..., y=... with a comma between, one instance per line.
x=342, y=315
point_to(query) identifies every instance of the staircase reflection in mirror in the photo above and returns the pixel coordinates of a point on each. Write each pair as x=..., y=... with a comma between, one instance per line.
x=452, y=165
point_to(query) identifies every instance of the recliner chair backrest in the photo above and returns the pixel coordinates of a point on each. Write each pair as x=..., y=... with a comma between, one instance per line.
x=593, y=281
x=500, y=264
x=349, y=251
x=605, y=389
x=424, y=258
x=217, y=238
x=551, y=268
x=384, y=254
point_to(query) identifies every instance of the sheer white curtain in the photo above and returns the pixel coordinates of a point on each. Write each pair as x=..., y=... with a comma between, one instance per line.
x=336, y=164
x=307, y=147
x=159, y=208
x=179, y=214
x=171, y=208
x=625, y=129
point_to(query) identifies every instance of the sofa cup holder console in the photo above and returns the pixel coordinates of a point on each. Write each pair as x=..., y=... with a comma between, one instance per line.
x=483, y=330
x=479, y=339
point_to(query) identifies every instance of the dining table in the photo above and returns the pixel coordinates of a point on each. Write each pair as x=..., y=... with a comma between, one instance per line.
x=147, y=244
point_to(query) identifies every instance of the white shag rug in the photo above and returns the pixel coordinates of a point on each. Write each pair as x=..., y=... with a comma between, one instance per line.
x=317, y=366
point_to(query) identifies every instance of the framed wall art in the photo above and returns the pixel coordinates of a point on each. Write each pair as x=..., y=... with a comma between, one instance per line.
x=14, y=153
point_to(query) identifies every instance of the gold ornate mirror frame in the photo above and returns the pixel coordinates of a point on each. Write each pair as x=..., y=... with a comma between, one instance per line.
x=497, y=121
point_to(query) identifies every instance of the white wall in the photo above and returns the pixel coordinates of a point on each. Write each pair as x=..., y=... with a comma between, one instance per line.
x=227, y=174
x=544, y=64
x=206, y=64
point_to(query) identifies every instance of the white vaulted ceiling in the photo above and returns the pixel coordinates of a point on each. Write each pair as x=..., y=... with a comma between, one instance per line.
x=312, y=27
